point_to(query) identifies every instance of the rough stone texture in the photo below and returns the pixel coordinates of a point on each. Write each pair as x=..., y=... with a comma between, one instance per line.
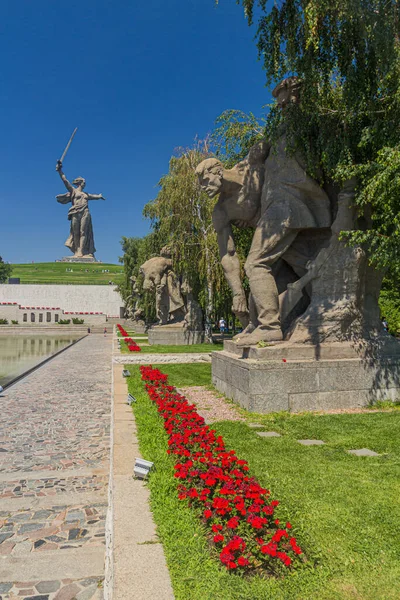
x=300, y=384
x=363, y=452
x=161, y=279
x=268, y=434
x=70, y=298
x=174, y=336
x=139, y=358
x=54, y=427
x=53, y=590
x=194, y=315
x=311, y=442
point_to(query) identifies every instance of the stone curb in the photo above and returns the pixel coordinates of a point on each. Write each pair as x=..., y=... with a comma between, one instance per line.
x=136, y=565
x=150, y=358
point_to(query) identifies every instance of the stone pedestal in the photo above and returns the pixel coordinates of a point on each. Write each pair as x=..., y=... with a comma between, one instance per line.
x=173, y=335
x=138, y=327
x=74, y=259
x=306, y=377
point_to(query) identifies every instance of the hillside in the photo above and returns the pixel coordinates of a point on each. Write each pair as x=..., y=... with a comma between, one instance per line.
x=57, y=273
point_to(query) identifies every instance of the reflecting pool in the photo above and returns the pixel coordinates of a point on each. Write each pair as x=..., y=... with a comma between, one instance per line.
x=19, y=353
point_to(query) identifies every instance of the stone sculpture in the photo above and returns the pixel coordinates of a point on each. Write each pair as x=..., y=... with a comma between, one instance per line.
x=194, y=315
x=344, y=289
x=314, y=339
x=239, y=202
x=291, y=214
x=134, y=307
x=159, y=277
x=80, y=240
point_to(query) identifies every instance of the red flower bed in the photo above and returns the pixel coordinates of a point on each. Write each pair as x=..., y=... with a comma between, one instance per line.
x=122, y=330
x=237, y=511
x=132, y=345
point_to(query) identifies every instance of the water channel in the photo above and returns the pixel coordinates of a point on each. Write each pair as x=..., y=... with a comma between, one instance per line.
x=19, y=353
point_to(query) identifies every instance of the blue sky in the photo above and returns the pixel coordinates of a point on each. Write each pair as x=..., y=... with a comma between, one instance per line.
x=139, y=79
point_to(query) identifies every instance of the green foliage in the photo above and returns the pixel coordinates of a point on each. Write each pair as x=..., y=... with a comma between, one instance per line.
x=130, y=249
x=389, y=301
x=77, y=321
x=5, y=271
x=379, y=195
x=3, y=322
x=161, y=349
x=64, y=321
x=347, y=54
x=234, y=135
x=386, y=405
x=13, y=322
x=136, y=252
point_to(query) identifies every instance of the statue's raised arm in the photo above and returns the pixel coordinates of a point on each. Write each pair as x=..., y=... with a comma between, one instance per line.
x=64, y=179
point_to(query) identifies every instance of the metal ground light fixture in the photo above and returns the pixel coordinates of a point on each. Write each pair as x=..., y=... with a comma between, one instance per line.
x=130, y=399
x=126, y=373
x=142, y=468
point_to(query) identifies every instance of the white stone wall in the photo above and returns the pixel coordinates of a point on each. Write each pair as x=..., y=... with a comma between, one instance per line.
x=68, y=298
x=9, y=312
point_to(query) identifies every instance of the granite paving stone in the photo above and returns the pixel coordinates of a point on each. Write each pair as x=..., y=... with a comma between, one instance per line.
x=268, y=434
x=311, y=442
x=363, y=452
x=56, y=420
x=67, y=589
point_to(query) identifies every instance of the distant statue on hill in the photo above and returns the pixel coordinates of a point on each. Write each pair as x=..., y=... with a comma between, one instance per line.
x=80, y=240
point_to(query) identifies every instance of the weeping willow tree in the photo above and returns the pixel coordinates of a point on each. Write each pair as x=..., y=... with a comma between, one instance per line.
x=135, y=252
x=234, y=134
x=347, y=54
x=181, y=214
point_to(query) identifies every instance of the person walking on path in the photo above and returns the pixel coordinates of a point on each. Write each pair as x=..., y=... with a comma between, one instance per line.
x=222, y=326
x=105, y=331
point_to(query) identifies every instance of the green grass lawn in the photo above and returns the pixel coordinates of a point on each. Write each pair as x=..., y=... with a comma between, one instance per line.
x=56, y=273
x=173, y=349
x=188, y=374
x=345, y=510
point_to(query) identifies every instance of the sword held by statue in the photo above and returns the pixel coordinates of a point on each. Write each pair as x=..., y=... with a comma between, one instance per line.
x=61, y=160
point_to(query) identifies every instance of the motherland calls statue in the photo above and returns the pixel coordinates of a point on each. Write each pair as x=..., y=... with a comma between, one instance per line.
x=305, y=284
x=159, y=277
x=80, y=240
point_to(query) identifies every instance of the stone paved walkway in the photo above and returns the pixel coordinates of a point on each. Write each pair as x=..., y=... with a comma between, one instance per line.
x=54, y=467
